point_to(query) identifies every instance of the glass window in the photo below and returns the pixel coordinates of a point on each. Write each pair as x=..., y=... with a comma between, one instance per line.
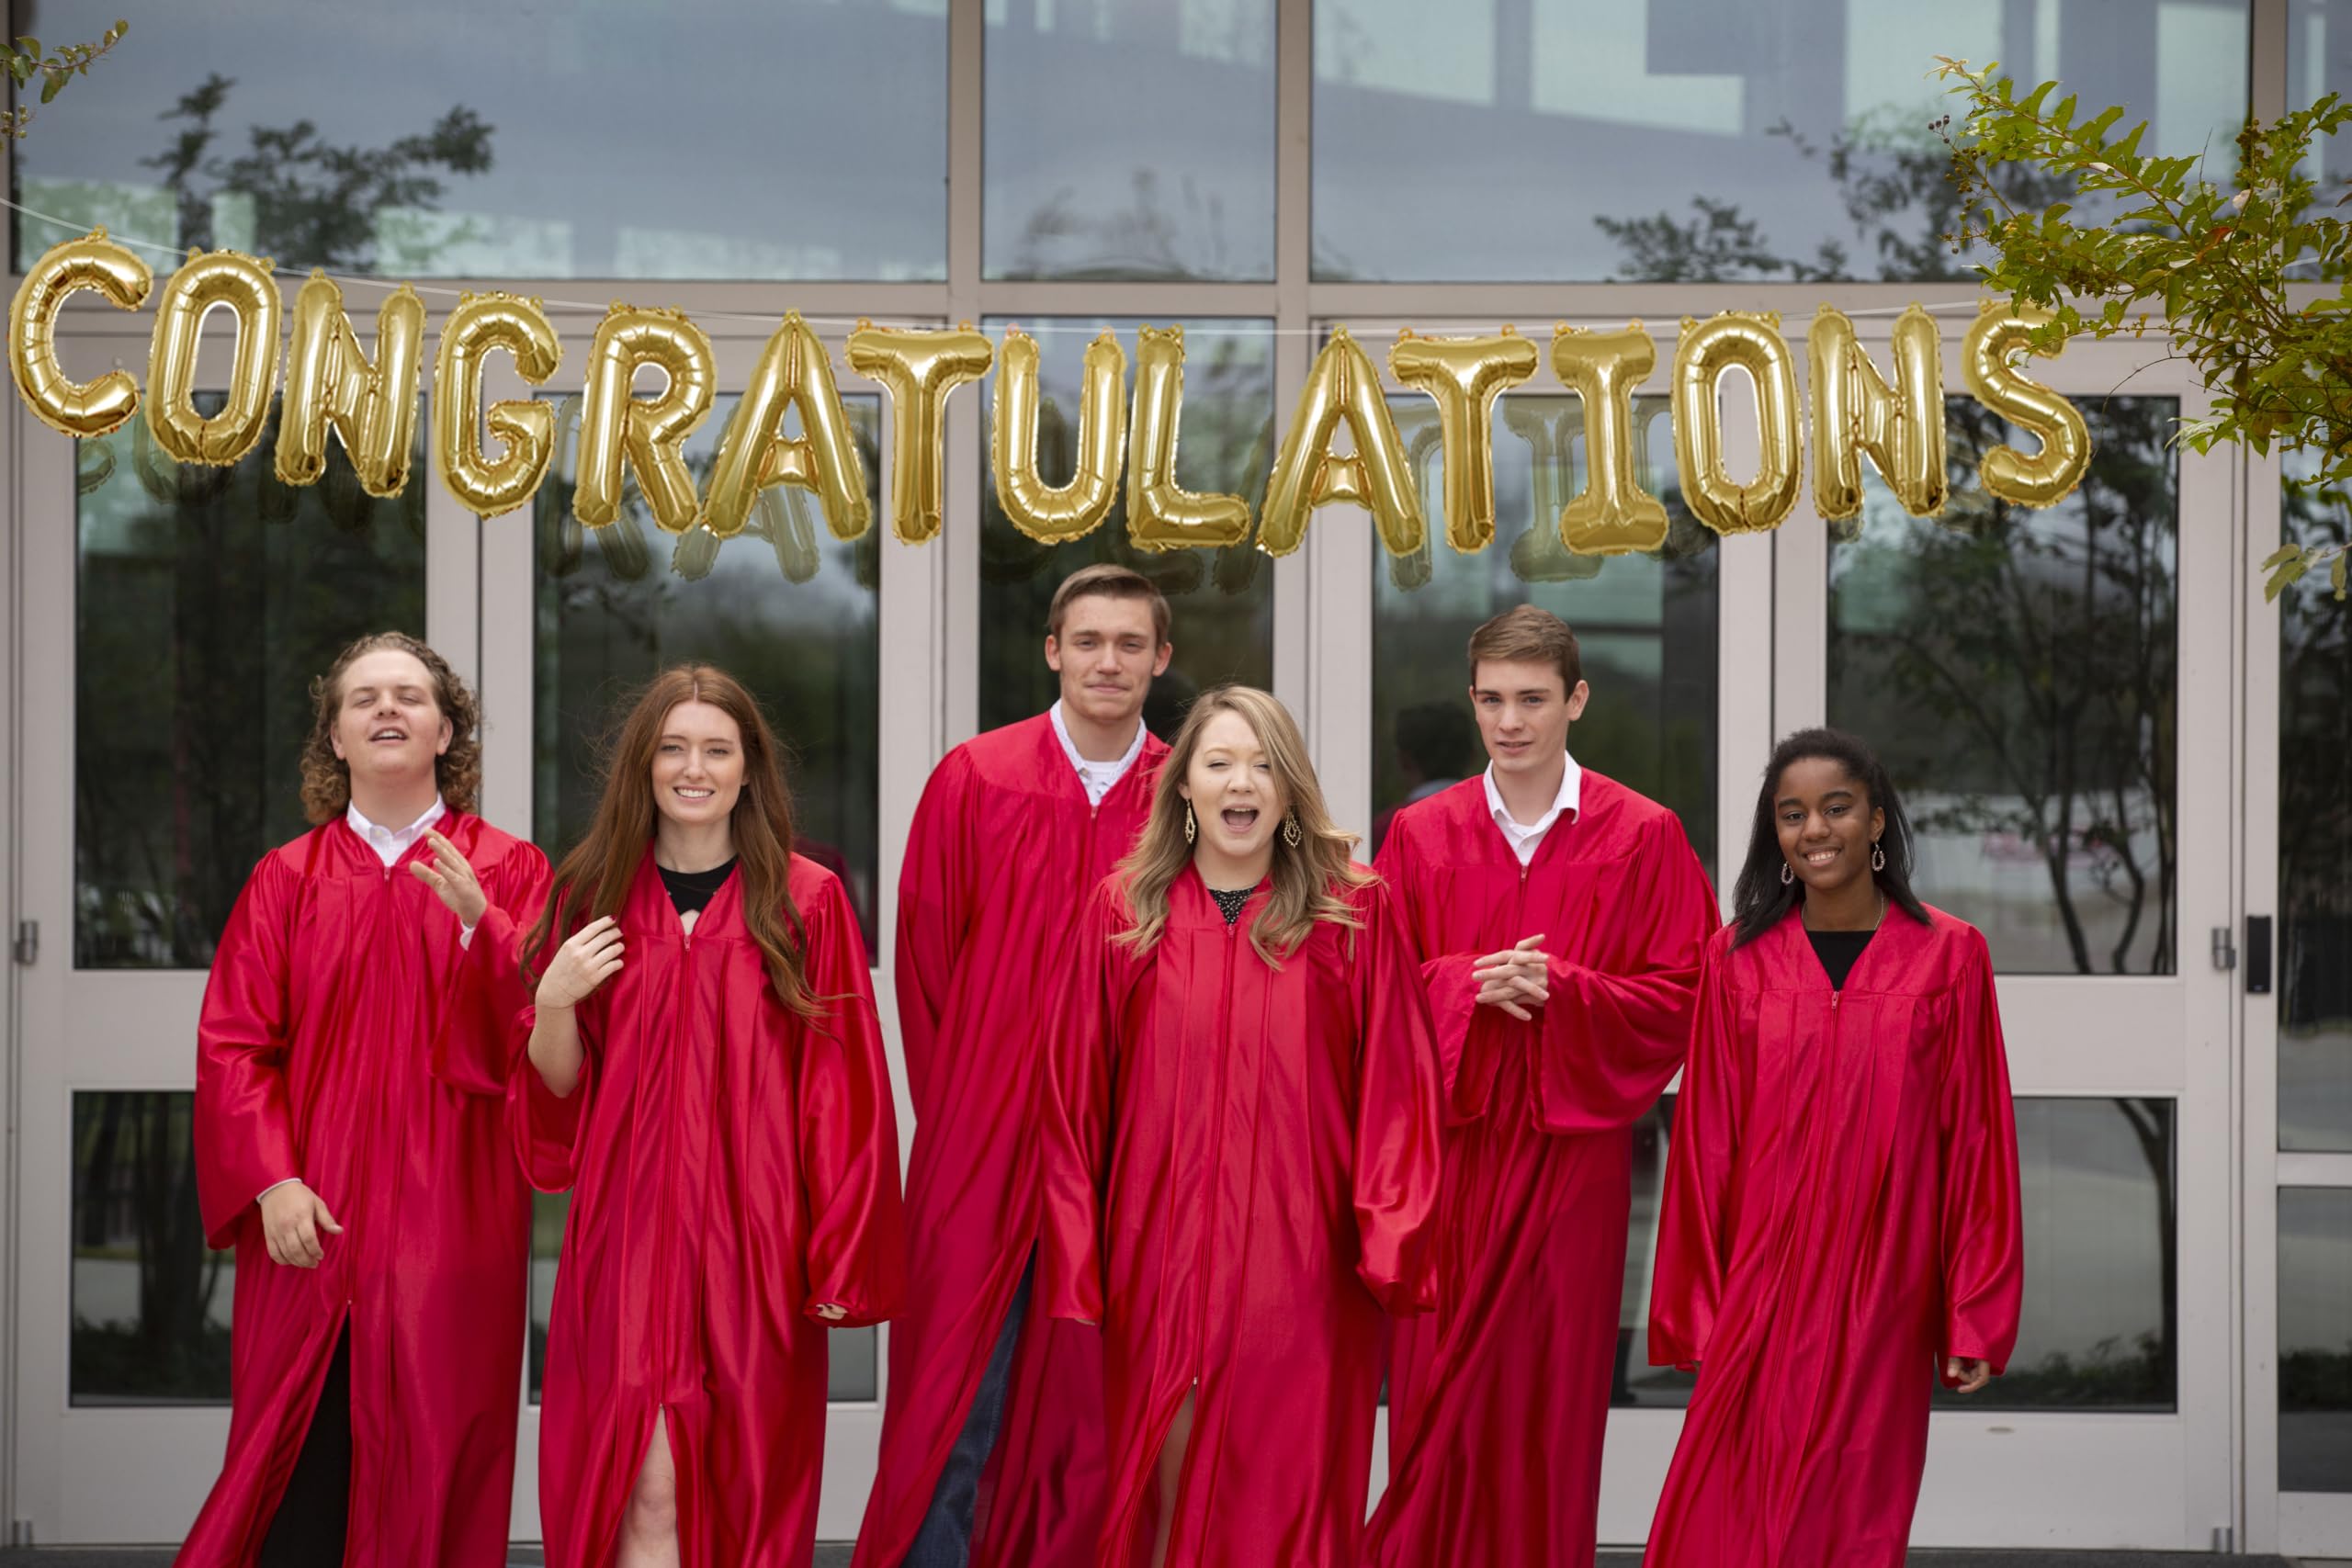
x=1645, y=625
x=1675, y=141
x=2016, y=669
x=2315, y=1340
x=2314, y=980
x=2319, y=62
x=1222, y=599
x=206, y=601
x=701, y=139
x=1634, y=1383
x=783, y=606
x=151, y=1303
x=1130, y=139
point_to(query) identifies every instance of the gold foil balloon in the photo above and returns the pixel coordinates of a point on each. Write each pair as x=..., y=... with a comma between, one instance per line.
x=480, y=325
x=918, y=367
x=1048, y=513
x=1342, y=387
x=96, y=264
x=794, y=372
x=330, y=381
x=695, y=554
x=2051, y=475
x=1753, y=343
x=246, y=288
x=1540, y=554
x=1612, y=514
x=1856, y=414
x=1464, y=374
x=619, y=429
x=1161, y=513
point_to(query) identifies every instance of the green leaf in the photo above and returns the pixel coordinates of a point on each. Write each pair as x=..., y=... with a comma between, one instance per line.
x=2337, y=574
x=54, y=86
x=31, y=46
x=2280, y=557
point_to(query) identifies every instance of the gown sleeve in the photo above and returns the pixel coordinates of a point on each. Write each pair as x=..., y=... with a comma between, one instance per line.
x=848, y=1128
x=1451, y=995
x=1611, y=1039
x=1698, y=1218
x=1398, y=1138
x=244, y=1121
x=935, y=893
x=1984, y=1246
x=545, y=1127
x=1076, y=1117
x=473, y=1049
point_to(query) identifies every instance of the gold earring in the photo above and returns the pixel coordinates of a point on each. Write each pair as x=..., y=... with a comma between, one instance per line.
x=1291, y=834
x=1192, y=828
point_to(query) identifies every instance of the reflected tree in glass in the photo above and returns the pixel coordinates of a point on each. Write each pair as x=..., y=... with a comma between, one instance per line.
x=2314, y=984
x=2315, y=1340
x=150, y=1304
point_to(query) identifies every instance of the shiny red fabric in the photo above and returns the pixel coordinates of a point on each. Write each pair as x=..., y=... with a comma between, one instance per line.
x=1498, y=1403
x=1243, y=1170
x=1841, y=1210
x=1004, y=851
x=733, y=1168
x=343, y=1040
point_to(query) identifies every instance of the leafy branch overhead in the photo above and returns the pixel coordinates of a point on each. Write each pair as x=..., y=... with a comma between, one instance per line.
x=27, y=60
x=2157, y=248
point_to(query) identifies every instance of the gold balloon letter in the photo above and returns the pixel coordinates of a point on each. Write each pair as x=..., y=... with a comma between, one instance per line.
x=77, y=408
x=1707, y=350
x=1464, y=374
x=482, y=324
x=245, y=285
x=794, y=372
x=1612, y=514
x=1163, y=514
x=2047, y=477
x=644, y=432
x=1343, y=387
x=1046, y=515
x=330, y=381
x=918, y=368
x=1857, y=414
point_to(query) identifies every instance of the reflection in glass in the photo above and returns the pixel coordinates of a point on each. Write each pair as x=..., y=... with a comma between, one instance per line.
x=1129, y=138
x=2314, y=1339
x=2319, y=62
x=1222, y=600
x=2314, y=984
x=1634, y=1383
x=150, y=1304
x=2016, y=669
x=206, y=601
x=725, y=139
x=852, y=1360
x=1646, y=625
x=1507, y=139
x=783, y=606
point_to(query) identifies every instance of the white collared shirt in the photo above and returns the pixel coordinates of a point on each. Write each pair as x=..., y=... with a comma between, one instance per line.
x=1524, y=836
x=391, y=844
x=1097, y=777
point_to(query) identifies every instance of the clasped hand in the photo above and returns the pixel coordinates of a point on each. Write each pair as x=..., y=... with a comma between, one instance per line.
x=1515, y=979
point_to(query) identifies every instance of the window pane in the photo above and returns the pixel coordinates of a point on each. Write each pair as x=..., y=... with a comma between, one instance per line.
x=1634, y=1381
x=1222, y=600
x=2315, y=1340
x=1706, y=140
x=150, y=1304
x=1130, y=139
x=207, y=599
x=783, y=606
x=2314, y=844
x=2319, y=62
x=700, y=139
x=2016, y=669
x=1646, y=625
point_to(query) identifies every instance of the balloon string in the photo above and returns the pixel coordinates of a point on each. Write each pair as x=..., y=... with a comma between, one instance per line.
x=1087, y=330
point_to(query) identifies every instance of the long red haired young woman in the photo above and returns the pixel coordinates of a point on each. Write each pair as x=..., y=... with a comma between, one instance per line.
x=705, y=1074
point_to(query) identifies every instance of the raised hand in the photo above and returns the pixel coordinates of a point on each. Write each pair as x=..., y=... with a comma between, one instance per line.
x=449, y=876
x=592, y=957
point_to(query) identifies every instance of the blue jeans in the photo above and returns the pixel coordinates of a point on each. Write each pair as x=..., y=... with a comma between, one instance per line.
x=945, y=1538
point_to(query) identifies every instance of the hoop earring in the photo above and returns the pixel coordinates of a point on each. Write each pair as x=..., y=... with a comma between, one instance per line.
x=1192, y=828
x=1878, y=856
x=1291, y=834
x=1788, y=874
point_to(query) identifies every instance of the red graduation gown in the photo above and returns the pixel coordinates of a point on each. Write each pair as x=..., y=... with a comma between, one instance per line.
x=733, y=1168
x=342, y=1040
x=1500, y=1402
x=1242, y=1173
x=1841, y=1209
x=1004, y=852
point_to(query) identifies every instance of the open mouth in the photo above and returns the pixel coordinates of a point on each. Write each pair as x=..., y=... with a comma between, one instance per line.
x=687, y=792
x=386, y=735
x=1239, y=819
x=1820, y=857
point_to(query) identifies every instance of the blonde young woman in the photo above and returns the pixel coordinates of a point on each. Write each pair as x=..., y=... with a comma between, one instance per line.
x=1241, y=1154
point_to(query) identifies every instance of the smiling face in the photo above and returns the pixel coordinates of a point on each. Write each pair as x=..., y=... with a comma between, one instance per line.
x=1524, y=711
x=1827, y=823
x=1231, y=784
x=697, y=765
x=388, y=727
x=1107, y=653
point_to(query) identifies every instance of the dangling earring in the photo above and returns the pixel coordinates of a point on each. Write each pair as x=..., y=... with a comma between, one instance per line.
x=1291, y=834
x=1192, y=828
x=1788, y=874
x=1878, y=856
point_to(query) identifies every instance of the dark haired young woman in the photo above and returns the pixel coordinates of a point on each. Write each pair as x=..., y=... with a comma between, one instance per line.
x=705, y=1073
x=1841, y=1218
